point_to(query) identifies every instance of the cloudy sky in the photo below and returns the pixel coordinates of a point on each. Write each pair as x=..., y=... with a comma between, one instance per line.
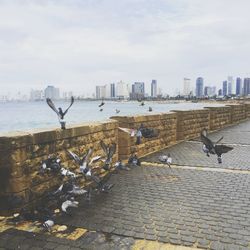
x=77, y=44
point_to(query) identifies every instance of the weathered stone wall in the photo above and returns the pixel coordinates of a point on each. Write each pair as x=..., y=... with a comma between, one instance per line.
x=190, y=123
x=164, y=123
x=238, y=112
x=219, y=117
x=247, y=110
x=21, y=155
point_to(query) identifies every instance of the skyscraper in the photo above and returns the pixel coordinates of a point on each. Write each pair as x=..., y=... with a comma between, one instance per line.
x=122, y=91
x=246, y=88
x=186, y=86
x=154, y=88
x=230, y=90
x=100, y=92
x=199, y=87
x=238, y=86
x=112, y=90
x=224, y=88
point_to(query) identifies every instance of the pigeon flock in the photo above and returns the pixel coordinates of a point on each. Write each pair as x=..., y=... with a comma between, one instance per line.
x=66, y=196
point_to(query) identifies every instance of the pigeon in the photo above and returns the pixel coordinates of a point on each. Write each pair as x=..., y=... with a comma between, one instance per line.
x=120, y=166
x=85, y=164
x=150, y=109
x=66, y=172
x=134, y=161
x=141, y=132
x=101, y=110
x=52, y=164
x=117, y=111
x=213, y=148
x=59, y=112
x=70, y=188
x=69, y=203
x=109, y=152
x=166, y=159
x=102, y=104
x=48, y=224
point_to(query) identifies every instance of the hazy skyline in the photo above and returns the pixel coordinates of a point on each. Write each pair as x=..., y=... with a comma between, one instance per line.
x=76, y=45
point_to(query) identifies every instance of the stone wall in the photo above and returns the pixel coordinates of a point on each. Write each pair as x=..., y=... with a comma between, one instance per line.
x=190, y=123
x=165, y=124
x=220, y=117
x=21, y=155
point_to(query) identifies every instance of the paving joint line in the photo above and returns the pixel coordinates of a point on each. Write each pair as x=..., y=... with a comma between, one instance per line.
x=223, y=170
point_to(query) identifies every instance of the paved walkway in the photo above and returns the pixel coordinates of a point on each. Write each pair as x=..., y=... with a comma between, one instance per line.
x=154, y=207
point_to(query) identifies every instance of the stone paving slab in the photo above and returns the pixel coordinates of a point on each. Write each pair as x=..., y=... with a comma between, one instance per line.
x=190, y=154
x=186, y=207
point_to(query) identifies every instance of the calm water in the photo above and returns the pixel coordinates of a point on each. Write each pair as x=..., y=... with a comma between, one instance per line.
x=22, y=116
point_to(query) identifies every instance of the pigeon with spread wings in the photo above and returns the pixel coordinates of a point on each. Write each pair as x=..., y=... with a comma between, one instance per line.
x=213, y=148
x=60, y=113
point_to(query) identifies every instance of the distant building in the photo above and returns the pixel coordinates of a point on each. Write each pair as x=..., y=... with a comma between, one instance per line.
x=230, y=90
x=213, y=90
x=186, y=86
x=220, y=92
x=224, y=88
x=122, y=91
x=238, y=86
x=112, y=90
x=199, y=87
x=154, y=88
x=36, y=95
x=246, y=88
x=138, y=90
x=52, y=92
x=207, y=91
x=100, y=92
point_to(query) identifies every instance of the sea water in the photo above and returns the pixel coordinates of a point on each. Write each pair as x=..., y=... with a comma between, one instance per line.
x=23, y=116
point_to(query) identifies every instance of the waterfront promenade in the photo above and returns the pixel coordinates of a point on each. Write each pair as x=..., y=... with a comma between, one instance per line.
x=196, y=204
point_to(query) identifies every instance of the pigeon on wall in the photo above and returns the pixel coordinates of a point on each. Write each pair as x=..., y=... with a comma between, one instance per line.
x=60, y=113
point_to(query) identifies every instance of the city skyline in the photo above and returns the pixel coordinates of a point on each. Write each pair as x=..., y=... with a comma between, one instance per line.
x=80, y=44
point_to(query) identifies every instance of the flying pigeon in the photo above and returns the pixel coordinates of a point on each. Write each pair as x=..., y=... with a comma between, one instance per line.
x=117, y=111
x=59, y=112
x=102, y=104
x=213, y=148
x=69, y=203
x=120, y=166
x=150, y=109
x=109, y=152
x=52, y=164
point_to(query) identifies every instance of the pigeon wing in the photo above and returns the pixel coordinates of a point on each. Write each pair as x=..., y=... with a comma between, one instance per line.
x=52, y=106
x=72, y=101
x=104, y=148
x=209, y=144
x=112, y=150
x=222, y=149
x=75, y=157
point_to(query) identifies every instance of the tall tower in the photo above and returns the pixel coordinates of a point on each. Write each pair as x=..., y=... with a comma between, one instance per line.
x=246, y=86
x=224, y=88
x=238, y=86
x=199, y=87
x=154, y=88
x=230, y=89
x=186, y=86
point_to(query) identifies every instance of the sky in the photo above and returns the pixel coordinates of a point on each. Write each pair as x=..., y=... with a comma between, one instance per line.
x=78, y=44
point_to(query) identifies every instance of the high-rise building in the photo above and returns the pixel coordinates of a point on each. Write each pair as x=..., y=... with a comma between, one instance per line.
x=246, y=88
x=112, y=90
x=238, y=86
x=154, y=88
x=224, y=88
x=122, y=91
x=220, y=92
x=100, y=92
x=186, y=86
x=199, y=87
x=138, y=90
x=52, y=92
x=230, y=89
